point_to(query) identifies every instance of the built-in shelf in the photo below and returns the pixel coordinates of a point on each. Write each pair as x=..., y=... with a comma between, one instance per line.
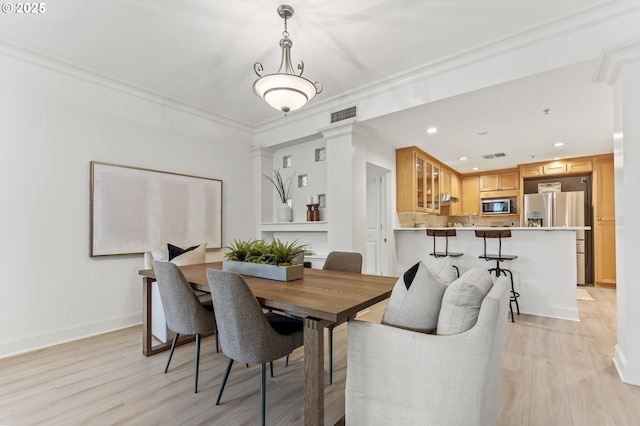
x=294, y=226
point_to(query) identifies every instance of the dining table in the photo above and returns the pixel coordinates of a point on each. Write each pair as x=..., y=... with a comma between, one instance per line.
x=321, y=298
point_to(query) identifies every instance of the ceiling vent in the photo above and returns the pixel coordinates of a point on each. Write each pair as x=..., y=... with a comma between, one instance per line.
x=343, y=115
x=497, y=155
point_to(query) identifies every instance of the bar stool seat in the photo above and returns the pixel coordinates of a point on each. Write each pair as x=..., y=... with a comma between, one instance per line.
x=500, y=234
x=446, y=233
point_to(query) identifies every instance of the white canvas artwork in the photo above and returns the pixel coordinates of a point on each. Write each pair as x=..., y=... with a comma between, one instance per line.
x=134, y=210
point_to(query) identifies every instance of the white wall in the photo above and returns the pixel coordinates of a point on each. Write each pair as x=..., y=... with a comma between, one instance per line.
x=51, y=126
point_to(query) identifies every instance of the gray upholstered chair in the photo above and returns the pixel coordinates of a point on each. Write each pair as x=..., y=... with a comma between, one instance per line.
x=184, y=312
x=343, y=261
x=247, y=334
x=402, y=377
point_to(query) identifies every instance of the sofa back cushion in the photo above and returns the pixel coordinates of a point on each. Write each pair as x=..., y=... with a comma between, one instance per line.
x=416, y=297
x=461, y=301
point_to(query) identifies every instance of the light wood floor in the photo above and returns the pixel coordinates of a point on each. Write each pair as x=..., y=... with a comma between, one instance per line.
x=554, y=373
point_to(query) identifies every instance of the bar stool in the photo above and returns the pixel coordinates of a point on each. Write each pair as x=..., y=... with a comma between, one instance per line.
x=500, y=234
x=446, y=233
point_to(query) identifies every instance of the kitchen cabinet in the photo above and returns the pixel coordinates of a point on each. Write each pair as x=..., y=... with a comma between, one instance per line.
x=555, y=168
x=417, y=181
x=531, y=170
x=455, y=209
x=502, y=181
x=558, y=167
x=470, y=195
x=579, y=166
x=604, y=235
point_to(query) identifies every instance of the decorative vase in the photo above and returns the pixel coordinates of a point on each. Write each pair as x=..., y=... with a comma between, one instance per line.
x=284, y=213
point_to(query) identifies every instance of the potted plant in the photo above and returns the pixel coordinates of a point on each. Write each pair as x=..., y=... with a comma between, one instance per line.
x=283, y=187
x=275, y=260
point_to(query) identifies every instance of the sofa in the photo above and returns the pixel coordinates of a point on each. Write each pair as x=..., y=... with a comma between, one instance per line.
x=398, y=376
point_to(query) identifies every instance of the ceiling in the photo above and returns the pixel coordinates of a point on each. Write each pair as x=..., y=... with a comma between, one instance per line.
x=201, y=54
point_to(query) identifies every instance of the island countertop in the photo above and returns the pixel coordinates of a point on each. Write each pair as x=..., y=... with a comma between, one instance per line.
x=544, y=273
x=497, y=228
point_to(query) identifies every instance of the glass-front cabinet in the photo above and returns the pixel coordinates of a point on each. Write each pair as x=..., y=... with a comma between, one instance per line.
x=417, y=181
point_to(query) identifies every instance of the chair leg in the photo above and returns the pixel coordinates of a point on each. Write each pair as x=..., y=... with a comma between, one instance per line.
x=514, y=293
x=224, y=380
x=195, y=386
x=457, y=270
x=286, y=362
x=330, y=339
x=263, y=389
x=173, y=346
x=217, y=343
x=271, y=367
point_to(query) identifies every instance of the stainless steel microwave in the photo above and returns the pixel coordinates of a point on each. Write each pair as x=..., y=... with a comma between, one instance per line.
x=496, y=206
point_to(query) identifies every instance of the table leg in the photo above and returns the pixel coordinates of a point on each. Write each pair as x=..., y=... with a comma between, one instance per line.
x=148, y=348
x=314, y=371
x=146, y=316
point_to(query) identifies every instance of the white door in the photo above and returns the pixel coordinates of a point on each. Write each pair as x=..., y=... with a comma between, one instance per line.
x=377, y=254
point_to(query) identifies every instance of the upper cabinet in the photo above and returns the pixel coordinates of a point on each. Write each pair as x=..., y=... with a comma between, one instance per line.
x=559, y=167
x=503, y=181
x=417, y=181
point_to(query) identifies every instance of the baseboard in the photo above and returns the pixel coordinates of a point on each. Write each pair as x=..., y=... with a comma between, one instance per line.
x=629, y=372
x=33, y=342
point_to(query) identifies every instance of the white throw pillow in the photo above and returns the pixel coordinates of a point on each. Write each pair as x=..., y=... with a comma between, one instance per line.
x=190, y=257
x=461, y=301
x=196, y=255
x=415, y=299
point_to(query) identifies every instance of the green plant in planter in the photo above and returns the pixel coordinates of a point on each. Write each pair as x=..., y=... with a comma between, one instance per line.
x=257, y=251
x=283, y=253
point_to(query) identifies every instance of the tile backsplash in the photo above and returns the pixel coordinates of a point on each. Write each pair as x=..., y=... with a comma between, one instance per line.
x=424, y=220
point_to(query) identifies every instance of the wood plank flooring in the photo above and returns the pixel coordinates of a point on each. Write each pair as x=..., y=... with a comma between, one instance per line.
x=554, y=373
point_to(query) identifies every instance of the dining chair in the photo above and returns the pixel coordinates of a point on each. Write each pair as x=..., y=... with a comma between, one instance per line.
x=184, y=312
x=342, y=261
x=247, y=334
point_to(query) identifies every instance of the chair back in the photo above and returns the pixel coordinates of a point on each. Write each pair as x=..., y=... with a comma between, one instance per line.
x=499, y=234
x=184, y=312
x=245, y=334
x=343, y=261
x=446, y=233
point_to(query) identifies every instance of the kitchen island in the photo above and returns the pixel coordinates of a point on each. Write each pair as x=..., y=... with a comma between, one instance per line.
x=544, y=273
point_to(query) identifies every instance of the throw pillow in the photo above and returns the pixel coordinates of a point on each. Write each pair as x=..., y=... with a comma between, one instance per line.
x=188, y=256
x=461, y=301
x=415, y=299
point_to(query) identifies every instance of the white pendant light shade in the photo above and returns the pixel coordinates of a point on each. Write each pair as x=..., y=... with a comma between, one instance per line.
x=284, y=90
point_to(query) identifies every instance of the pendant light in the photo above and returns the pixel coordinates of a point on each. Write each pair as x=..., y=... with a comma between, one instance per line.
x=285, y=90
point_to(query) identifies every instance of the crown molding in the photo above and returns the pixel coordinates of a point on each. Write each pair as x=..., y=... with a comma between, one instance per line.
x=34, y=58
x=613, y=58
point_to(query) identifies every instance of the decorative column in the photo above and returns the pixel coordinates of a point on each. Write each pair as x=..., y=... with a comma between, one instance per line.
x=346, y=188
x=619, y=67
x=263, y=197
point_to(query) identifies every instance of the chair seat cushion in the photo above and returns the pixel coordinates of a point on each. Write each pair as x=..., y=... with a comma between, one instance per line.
x=416, y=297
x=461, y=301
x=283, y=324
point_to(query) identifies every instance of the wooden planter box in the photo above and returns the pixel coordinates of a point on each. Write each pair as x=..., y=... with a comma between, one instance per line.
x=271, y=272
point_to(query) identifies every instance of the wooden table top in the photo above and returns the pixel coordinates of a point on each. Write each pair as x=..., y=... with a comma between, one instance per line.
x=329, y=295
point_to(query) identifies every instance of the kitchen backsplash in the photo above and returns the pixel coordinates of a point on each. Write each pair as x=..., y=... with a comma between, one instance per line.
x=424, y=220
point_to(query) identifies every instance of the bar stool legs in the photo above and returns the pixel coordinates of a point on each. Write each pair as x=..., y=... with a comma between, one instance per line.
x=514, y=294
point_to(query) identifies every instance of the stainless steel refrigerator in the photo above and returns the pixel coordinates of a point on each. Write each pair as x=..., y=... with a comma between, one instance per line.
x=559, y=209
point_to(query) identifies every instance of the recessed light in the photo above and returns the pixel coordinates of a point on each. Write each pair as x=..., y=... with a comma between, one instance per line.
x=557, y=144
x=462, y=158
x=475, y=168
x=432, y=130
